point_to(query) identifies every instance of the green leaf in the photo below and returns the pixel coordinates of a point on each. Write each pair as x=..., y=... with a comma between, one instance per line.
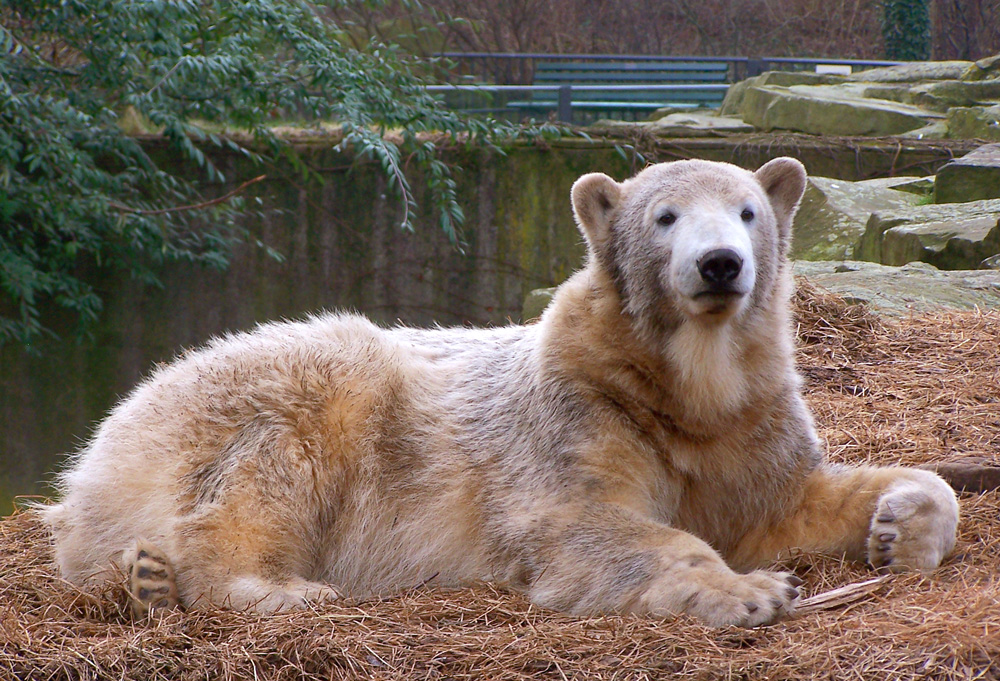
x=81, y=196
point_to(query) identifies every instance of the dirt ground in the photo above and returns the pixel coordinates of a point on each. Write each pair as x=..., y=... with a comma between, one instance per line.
x=923, y=390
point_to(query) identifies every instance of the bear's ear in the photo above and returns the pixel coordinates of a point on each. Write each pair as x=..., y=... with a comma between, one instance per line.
x=595, y=197
x=784, y=180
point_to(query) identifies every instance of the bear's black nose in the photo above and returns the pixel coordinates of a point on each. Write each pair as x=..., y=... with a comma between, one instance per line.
x=720, y=266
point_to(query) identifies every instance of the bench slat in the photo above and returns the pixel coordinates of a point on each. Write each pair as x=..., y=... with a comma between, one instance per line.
x=598, y=78
x=630, y=66
x=620, y=77
x=604, y=106
x=637, y=96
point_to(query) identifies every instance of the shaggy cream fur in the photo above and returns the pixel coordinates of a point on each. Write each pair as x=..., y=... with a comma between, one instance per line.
x=645, y=447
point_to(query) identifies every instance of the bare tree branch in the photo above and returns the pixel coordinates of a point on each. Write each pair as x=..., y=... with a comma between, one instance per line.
x=196, y=206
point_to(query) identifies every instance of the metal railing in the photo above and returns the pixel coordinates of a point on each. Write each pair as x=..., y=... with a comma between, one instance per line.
x=490, y=80
x=512, y=68
x=740, y=67
x=564, y=93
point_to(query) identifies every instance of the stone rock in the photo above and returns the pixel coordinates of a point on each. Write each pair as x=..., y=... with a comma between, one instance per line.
x=732, y=105
x=828, y=110
x=536, y=302
x=913, y=72
x=668, y=110
x=983, y=69
x=973, y=177
x=891, y=92
x=944, y=95
x=610, y=124
x=790, y=78
x=936, y=130
x=898, y=291
x=974, y=122
x=949, y=246
x=834, y=213
x=921, y=186
x=949, y=236
x=917, y=100
x=698, y=125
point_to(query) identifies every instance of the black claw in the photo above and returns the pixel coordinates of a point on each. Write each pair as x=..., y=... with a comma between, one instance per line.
x=776, y=603
x=886, y=518
x=887, y=536
x=792, y=593
x=794, y=580
x=751, y=607
x=883, y=547
x=880, y=563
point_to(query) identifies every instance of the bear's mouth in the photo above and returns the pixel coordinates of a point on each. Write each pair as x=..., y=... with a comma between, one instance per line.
x=718, y=300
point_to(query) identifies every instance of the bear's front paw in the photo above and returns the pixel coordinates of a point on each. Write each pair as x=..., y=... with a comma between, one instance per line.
x=720, y=597
x=750, y=600
x=914, y=525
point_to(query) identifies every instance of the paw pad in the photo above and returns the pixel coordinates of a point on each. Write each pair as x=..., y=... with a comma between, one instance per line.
x=152, y=584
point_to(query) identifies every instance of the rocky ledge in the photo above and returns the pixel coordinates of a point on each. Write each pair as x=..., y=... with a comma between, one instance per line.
x=955, y=99
x=951, y=221
x=921, y=100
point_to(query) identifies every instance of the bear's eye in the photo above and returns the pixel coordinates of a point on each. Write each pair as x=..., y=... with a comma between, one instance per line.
x=747, y=215
x=666, y=219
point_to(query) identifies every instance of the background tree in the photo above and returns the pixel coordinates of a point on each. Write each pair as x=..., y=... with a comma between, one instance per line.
x=906, y=28
x=836, y=28
x=963, y=29
x=78, y=195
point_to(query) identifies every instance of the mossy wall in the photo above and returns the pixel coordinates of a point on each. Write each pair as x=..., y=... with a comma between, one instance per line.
x=344, y=250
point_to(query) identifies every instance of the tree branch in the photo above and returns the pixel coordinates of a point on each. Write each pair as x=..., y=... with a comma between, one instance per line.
x=196, y=206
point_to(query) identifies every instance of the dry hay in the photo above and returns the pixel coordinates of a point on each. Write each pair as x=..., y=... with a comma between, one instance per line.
x=922, y=390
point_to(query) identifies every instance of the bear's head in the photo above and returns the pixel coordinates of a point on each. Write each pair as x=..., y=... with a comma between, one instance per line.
x=691, y=240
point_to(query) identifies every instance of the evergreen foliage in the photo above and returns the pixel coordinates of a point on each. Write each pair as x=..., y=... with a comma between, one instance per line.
x=78, y=195
x=906, y=28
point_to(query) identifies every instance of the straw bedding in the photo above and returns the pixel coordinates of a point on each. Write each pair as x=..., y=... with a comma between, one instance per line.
x=923, y=390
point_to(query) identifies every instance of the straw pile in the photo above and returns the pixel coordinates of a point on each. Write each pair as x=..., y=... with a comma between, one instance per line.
x=920, y=391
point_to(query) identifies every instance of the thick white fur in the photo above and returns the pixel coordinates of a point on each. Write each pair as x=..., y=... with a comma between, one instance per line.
x=643, y=448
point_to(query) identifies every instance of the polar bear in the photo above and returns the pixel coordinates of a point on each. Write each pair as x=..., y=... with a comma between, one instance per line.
x=643, y=448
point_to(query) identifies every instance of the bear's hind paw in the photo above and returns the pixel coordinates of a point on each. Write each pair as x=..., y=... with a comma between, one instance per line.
x=152, y=584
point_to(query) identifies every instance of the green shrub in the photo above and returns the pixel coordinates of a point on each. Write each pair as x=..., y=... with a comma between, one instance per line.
x=78, y=194
x=906, y=28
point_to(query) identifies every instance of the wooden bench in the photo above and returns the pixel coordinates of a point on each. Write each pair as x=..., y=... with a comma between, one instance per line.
x=632, y=87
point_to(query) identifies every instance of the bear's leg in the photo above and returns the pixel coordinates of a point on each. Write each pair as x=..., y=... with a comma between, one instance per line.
x=607, y=558
x=257, y=539
x=256, y=560
x=895, y=518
